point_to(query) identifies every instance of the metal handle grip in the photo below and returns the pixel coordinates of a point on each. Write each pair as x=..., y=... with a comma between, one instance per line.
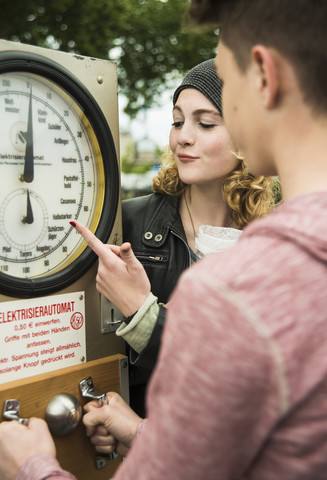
x=11, y=409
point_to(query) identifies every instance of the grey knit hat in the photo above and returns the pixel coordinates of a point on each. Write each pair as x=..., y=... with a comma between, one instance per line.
x=203, y=77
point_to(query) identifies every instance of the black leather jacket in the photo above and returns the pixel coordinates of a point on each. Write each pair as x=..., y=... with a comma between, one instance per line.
x=153, y=226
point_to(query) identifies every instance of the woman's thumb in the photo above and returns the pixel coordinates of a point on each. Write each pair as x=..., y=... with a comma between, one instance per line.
x=126, y=252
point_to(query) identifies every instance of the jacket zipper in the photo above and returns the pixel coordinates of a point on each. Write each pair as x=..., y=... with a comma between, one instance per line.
x=186, y=245
x=154, y=258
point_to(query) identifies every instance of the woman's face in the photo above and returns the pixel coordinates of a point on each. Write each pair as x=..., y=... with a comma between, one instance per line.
x=199, y=140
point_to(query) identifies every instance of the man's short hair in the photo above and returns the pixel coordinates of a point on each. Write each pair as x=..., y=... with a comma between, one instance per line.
x=296, y=28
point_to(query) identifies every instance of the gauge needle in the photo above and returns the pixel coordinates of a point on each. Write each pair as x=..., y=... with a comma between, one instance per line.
x=29, y=212
x=28, y=175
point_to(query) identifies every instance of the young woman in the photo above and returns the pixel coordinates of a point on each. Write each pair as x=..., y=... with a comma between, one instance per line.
x=202, y=182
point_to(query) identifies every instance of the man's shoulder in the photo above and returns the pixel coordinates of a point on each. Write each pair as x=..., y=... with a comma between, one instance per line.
x=282, y=249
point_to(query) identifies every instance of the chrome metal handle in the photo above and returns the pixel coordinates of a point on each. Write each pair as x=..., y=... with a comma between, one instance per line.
x=88, y=391
x=11, y=409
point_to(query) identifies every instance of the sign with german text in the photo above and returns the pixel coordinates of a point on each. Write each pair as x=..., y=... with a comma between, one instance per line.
x=41, y=335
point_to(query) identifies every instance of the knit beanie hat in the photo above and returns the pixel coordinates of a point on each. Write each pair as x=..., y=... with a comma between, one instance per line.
x=203, y=77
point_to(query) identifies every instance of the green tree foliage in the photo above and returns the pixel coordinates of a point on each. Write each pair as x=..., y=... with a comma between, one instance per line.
x=145, y=37
x=128, y=159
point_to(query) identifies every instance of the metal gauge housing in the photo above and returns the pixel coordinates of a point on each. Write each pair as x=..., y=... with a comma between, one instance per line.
x=57, y=163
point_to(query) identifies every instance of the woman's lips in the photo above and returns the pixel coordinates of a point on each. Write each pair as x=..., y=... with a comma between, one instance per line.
x=186, y=158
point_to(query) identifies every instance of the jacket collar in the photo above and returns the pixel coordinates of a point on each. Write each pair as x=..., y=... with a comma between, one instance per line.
x=162, y=216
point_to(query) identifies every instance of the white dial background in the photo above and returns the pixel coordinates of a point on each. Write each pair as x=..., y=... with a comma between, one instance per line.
x=36, y=238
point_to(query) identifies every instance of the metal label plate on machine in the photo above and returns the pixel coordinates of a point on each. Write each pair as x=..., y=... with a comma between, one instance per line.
x=41, y=335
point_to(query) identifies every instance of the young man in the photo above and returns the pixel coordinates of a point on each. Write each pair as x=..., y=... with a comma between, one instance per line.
x=240, y=389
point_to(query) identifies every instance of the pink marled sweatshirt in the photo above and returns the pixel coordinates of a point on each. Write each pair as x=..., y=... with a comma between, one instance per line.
x=240, y=389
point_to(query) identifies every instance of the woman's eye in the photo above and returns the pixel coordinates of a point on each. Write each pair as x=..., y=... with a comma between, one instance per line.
x=177, y=124
x=207, y=125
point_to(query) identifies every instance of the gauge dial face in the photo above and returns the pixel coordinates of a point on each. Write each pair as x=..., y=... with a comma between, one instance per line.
x=49, y=176
x=52, y=172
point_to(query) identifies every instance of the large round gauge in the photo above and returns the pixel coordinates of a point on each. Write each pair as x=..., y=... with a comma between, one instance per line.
x=57, y=163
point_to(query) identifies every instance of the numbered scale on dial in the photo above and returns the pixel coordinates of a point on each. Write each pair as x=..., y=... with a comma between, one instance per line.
x=57, y=163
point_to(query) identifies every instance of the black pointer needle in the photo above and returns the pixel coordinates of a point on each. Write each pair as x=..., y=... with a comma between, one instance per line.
x=29, y=152
x=29, y=212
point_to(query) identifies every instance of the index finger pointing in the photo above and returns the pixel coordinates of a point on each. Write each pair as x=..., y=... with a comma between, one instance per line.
x=97, y=246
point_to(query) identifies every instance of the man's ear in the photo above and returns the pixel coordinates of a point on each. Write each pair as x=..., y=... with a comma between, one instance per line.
x=266, y=74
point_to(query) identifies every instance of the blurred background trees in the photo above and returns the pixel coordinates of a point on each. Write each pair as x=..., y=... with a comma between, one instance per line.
x=145, y=37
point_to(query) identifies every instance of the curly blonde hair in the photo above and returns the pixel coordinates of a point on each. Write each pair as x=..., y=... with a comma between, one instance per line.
x=248, y=196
